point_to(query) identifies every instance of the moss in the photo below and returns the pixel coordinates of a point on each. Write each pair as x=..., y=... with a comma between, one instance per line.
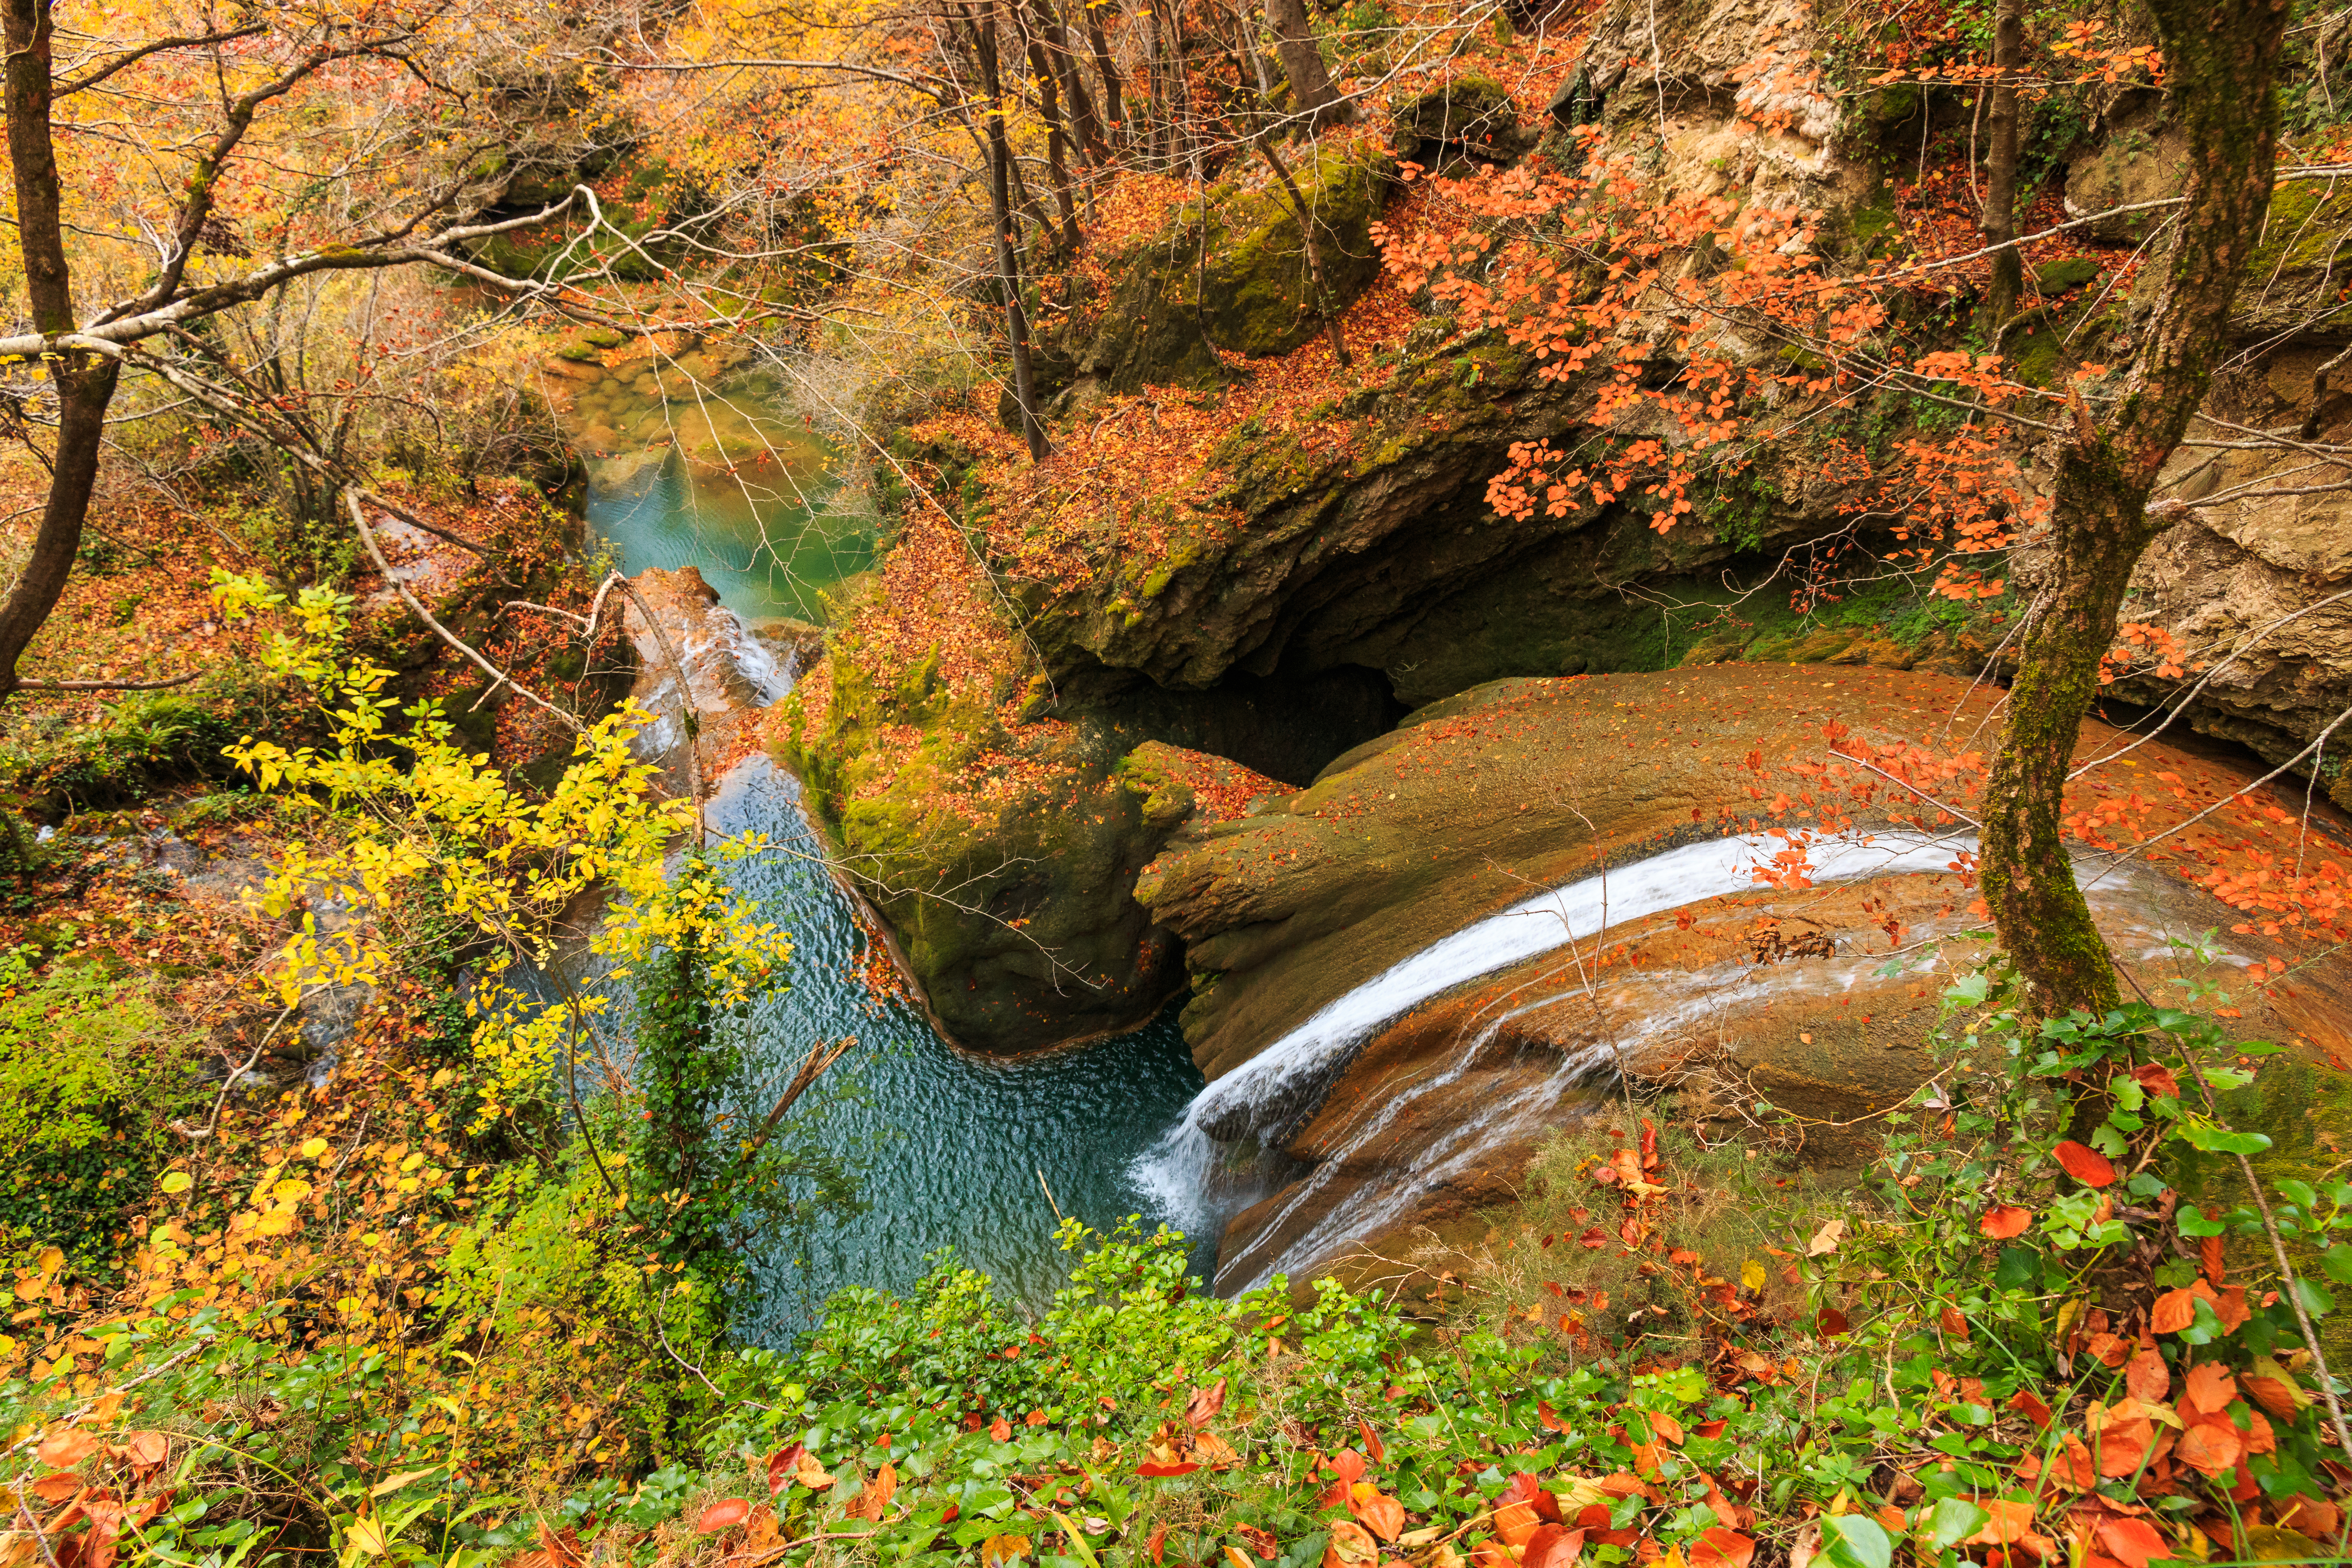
x=2057, y=277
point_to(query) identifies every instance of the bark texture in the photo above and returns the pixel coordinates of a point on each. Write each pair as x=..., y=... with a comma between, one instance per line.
x=2221, y=63
x=1311, y=91
x=2000, y=163
x=85, y=382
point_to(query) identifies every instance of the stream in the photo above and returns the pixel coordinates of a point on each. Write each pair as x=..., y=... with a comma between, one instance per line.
x=956, y=1150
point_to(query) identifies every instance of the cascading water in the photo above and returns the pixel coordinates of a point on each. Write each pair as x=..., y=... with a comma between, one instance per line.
x=1272, y=1095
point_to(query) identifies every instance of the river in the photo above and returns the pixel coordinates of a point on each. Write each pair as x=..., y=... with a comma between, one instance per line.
x=958, y=1149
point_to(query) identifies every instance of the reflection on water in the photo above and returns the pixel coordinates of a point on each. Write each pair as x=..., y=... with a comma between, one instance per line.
x=693, y=461
x=961, y=1149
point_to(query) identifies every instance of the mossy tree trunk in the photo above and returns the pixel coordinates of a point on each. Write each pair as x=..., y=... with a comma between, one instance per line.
x=2220, y=65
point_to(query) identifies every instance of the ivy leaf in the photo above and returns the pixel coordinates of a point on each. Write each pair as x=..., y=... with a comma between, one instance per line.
x=1855, y=1540
x=2336, y=1262
x=1955, y=1519
x=2215, y=1139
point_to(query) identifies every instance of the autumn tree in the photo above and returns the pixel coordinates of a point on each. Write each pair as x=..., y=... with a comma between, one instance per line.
x=2221, y=69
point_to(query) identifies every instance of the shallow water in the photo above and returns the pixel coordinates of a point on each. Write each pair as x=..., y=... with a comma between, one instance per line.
x=961, y=1149
x=709, y=468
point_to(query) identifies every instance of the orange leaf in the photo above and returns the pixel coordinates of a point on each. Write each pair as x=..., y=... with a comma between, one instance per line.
x=2208, y=1387
x=2032, y=1406
x=1000, y=1430
x=1203, y=1407
x=1156, y=1468
x=1517, y=1522
x=1351, y=1546
x=721, y=1516
x=57, y=1485
x=2086, y=1165
x=1372, y=1443
x=2147, y=1378
x=2003, y=1222
x=2132, y=1542
x=2210, y=1446
x=1382, y=1515
x=876, y=1495
x=1158, y=1544
x=64, y=1450
x=781, y=1466
x=999, y=1550
x=1553, y=1546
x=1720, y=1548
x=2173, y=1311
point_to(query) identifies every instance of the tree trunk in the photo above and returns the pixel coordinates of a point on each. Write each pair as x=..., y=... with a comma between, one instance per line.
x=1311, y=91
x=1999, y=223
x=1008, y=249
x=1049, y=102
x=85, y=383
x=2220, y=65
x=1084, y=129
x=1105, y=67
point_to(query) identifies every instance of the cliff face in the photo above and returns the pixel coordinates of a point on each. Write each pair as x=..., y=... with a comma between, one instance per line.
x=1286, y=585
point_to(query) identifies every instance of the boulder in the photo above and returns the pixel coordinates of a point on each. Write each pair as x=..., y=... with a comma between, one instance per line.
x=1470, y=117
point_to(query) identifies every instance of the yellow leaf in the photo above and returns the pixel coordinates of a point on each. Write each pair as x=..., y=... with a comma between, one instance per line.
x=291, y=1192
x=367, y=1534
x=177, y=1182
x=391, y=1484
x=314, y=1148
x=1751, y=1275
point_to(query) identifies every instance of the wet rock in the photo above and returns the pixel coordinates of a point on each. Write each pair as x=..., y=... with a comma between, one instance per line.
x=1737, y=997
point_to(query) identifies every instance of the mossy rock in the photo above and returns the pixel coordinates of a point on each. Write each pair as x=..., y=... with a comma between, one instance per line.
x=2057, y=277
x=1470, y=117
x=1003, y=859
x=1234, y=276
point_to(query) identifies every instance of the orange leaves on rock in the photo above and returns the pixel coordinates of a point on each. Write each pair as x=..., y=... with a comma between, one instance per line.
x=2086, y=1165
x=2001, y=1222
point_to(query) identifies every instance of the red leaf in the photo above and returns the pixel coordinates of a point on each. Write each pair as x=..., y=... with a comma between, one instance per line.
x=2132, y=1542
x=1548, y=1417
x=2033, y=1405
x=1829, y=1323
x=2086, y=1165
x=1349, y=1466
x=1594, y=1237
x=1552, y=1546
x=721, y=1516
x=1649, y=1145
x=1155, y=1468
x=2001, y=1222
x=1373, y=1444
x=781, y=1466
x=2158, y=1080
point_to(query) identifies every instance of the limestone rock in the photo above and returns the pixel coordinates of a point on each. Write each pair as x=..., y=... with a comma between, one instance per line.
x=1772, y=992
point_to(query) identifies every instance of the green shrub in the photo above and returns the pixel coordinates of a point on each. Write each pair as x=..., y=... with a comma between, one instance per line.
x=91, y=1073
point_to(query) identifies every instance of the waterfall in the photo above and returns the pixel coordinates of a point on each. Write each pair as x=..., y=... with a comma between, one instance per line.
x=1271, y=1096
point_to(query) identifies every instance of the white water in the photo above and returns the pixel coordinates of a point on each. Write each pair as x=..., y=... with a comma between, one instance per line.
x=1269, y=1094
